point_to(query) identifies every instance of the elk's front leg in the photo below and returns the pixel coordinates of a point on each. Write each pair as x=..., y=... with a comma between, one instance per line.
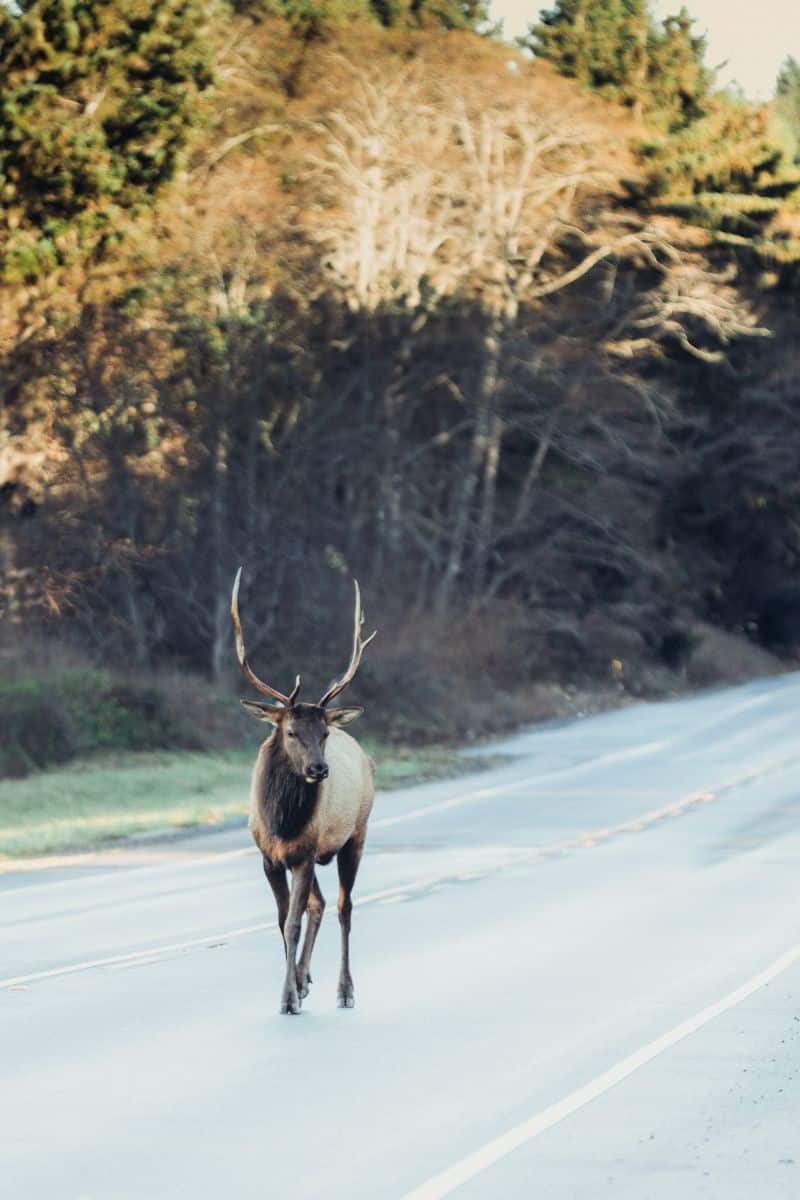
x=302, y=876
x=347, y=862
x=276, y=878
x=314, y=913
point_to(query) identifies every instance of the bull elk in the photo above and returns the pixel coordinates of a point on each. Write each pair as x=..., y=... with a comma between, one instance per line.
x=310, y=799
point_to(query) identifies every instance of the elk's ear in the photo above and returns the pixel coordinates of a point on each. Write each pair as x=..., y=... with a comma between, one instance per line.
x=263, y=712
x=342, y=716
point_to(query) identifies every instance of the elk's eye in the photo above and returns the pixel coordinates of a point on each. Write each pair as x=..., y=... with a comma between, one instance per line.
x=290, y=734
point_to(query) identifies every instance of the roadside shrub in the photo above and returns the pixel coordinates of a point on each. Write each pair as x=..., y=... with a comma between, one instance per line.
x=44, y=722
x=727, y=658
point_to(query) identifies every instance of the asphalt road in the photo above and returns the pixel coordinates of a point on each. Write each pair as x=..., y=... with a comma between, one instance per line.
x=576, y=976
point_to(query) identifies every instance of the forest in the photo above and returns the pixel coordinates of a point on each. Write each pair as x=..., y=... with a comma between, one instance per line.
x=337, y=288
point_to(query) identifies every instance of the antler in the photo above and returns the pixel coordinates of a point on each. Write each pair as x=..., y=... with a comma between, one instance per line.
x=250, y=676
x=359, y=647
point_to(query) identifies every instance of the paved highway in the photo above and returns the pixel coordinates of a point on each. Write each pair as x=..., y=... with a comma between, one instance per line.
x=577, y=976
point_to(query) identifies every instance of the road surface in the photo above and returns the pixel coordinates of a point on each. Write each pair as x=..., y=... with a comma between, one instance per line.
x=577, y=976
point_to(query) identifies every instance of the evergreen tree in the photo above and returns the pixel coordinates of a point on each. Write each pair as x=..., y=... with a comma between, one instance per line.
x=312, y=17
x=787, y=101
x=678, y=82
x=728, y=171
x=614, y=47
x=97, y=98
x=560, y=36
x=450, y=14
x=601, y=43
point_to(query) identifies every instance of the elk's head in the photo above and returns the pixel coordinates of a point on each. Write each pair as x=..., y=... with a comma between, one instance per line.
x=301, y=729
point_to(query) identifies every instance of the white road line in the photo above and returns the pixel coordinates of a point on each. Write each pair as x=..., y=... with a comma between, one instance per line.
x=516, y=858
x=530, y=781
x=84, y=860
x=467, y=1168
x=111, y=960
x=463, y=797
x=157, y=952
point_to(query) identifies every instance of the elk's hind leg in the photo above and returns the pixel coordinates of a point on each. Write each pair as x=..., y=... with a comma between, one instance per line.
x=314, y=911
x=347, y=862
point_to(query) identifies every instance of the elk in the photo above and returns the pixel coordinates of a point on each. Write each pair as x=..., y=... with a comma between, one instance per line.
x=310, y=799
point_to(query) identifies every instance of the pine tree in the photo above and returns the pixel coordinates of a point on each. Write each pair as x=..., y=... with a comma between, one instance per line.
x=97, y=98
x=678, y=82
x=602, y=43
x=561, y=36
x=314, y=16
x=787, y=101
x=614, y=47
x=450, y=14
x=729, y=172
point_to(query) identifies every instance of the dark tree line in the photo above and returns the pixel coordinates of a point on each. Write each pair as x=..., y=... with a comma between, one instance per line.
x=549, y=436
x=304, y=444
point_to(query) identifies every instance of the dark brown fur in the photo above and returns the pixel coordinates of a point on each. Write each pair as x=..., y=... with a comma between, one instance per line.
x=288, y=801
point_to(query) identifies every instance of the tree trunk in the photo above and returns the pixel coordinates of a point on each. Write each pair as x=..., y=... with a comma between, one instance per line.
x=9, y=598
x=220, y=637
x=470, y=481
x=136, y=622
x=638, y=81
x=218, y=547
x=533, y=472
x=483, y=545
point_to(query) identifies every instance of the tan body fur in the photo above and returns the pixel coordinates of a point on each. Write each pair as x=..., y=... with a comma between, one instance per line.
x=342, y=812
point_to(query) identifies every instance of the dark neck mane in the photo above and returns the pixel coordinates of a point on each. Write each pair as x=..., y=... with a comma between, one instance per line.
x=288, y=801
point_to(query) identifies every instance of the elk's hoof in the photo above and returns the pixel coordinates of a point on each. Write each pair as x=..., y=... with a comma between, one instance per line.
x=291, y=1004
x=303, y=980
x=346, y=998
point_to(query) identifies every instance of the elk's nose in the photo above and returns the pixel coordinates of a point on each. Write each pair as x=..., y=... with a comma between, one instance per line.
x=317, y=772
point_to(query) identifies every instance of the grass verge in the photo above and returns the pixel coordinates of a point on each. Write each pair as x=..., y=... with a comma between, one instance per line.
x=87, y=803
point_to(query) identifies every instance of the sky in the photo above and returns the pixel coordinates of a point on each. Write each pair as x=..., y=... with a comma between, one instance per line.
x=754, y=39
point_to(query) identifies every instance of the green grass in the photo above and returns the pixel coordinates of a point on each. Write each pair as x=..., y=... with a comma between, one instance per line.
x=89, y=802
